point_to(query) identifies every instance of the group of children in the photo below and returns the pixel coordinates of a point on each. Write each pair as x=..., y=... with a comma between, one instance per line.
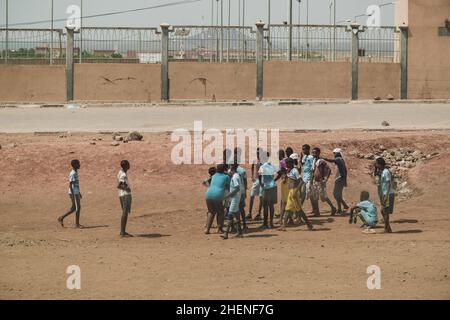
x=75, y=196
x=300, y=177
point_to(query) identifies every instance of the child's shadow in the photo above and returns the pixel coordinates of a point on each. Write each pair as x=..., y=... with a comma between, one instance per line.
x=408, y=231
x=96, y=227
x=151, y=235
x=405, y=221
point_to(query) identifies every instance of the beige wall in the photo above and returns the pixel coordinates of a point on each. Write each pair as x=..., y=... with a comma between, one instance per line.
x=26, y=83
x=295, y=80
x=428, y=54
x=401, y=13
x=117, y=82
x=225, y=81
x=379, y=80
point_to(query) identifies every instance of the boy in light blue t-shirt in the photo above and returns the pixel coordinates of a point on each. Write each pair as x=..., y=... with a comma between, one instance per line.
x=234, y=197
x=74, y=195
x=366, y=211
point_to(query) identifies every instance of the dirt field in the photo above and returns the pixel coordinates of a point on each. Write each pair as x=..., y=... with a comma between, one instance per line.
x=171, y=258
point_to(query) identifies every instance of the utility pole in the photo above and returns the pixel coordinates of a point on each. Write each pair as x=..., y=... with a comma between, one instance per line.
x=221, y=30
x=212, y=26
x=269, y=18
x=7, y=32
x=239, y=31
x=330, y=45
x=212, y=13
x=299, y=29
x=290, y=32
x=51, y=35
x=334, y=31
x=243, y=25
x=307, y=29
x=81, y=32
x=229, y=31
x=217, y=31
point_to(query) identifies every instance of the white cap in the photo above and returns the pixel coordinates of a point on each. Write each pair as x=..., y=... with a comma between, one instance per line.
x=337, y=150
x=294, y=156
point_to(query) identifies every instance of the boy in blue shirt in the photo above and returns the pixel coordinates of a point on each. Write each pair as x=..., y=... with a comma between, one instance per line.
x=234, y=196
x=366, y=211
x=214, y=198
x=386, y=191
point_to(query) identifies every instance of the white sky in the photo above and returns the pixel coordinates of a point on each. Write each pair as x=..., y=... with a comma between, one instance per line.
x=21, y=11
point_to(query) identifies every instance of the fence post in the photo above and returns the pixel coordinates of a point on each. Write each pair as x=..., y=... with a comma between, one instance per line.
x=403, y=62
x=165, y=61
x=355, y=29
x=259, y=60
x=69, y=64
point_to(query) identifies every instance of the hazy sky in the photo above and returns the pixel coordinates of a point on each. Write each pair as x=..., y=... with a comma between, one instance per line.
x=21, y=11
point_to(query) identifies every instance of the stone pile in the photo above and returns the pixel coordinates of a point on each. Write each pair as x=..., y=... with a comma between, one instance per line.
x=399, y=161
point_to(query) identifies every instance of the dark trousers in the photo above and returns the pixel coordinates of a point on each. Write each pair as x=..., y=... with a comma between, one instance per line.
x=76, y=207
x=215, y=208
x=339, y=185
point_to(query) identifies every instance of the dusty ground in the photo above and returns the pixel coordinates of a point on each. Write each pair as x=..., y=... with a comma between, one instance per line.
x=171, y=258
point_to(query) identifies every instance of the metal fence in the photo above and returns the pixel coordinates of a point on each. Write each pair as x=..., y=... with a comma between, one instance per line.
x=212, y=44
x=32, y=46
x=199, y=43
x=309, y=43
x=119, y=45
x=380, y=45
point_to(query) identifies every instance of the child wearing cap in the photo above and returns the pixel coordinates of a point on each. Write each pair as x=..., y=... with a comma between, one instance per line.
x=340, y=181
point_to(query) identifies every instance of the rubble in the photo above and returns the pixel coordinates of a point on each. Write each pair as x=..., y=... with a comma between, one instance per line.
x=399, y=161
x=135, y=136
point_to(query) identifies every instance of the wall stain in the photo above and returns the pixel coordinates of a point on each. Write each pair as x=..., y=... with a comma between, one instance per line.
x=113, y=81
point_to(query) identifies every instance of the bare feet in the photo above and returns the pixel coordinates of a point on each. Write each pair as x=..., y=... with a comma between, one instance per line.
x=79, y=226
x=61, y=221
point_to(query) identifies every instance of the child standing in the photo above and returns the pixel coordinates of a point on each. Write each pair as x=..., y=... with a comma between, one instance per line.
x=267, y=175
x=215, y=197
x=340, y=181
x=124, y=196
x=234, y=195
x=307, y=161
x=283, y=182
x=294, y=204
x=366, y=211
x=386, y=191
x=321, y=173
x=74, y=194
x=256, y=190
x=211, y=171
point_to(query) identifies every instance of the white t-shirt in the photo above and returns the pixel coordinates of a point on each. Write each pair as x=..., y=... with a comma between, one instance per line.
x=123, y=178
x=73, y=178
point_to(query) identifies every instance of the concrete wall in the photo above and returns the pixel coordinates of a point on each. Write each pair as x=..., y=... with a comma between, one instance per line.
x=224, y=81
x=295, y=80
x=117, y=82
x=428, y=54
x=379, y=80
x=28, y=83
